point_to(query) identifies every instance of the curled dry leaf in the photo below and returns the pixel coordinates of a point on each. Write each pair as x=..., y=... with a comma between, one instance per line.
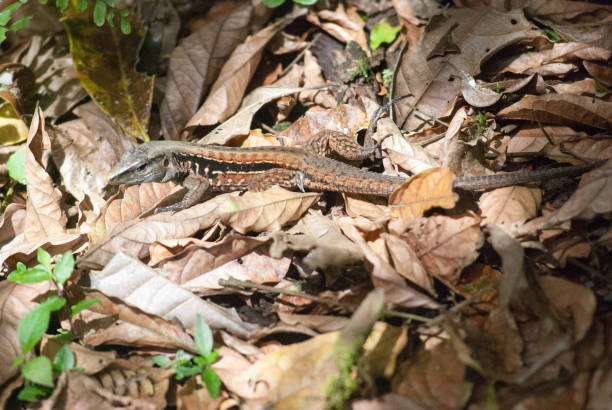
x=445, y=245
x=313, y=77
x=227, y=91
x=44, y=214
x=240, y=123
x=264, y=211
x=430, y=188
x=532, y=139
x=561, y=109
x=196, y=61
x=475, y=94
x=407, y=263
x=384, y=276
x=409, y=156
x=138, y=285
x=510, y=207
x=346, y=25
x=600, y=72
x=12, y=222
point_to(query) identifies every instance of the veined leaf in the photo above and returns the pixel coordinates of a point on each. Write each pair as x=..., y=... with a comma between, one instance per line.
x=105, y=60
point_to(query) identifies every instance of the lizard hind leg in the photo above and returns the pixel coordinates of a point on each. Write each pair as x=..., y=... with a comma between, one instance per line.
x=327, y=142
x=285, y=178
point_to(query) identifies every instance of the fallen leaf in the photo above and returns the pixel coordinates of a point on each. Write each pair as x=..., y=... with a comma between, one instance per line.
x=510, y=207
x=105, y=61
x=561, y=109
x=428, y=189
x=227, y=91
x=140, y=286
x=196, y=62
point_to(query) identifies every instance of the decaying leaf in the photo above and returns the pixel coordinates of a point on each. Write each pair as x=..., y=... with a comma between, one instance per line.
x=105, y=61
x=510, y=207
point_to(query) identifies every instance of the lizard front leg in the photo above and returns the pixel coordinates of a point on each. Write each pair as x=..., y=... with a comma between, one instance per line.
x=196, y=188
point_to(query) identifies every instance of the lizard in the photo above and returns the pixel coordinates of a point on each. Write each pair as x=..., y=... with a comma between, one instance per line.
x=220, y=168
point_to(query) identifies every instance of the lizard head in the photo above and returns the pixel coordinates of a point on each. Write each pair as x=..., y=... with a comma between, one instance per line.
x=149, y=162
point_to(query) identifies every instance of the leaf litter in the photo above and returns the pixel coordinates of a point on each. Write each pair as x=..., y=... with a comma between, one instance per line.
x=432, y=299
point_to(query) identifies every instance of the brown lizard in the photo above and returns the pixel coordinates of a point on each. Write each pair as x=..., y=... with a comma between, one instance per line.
x=200, y=167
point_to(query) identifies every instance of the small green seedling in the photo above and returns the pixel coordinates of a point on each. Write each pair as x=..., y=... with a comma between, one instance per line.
x=38, y=372
x=184, y=365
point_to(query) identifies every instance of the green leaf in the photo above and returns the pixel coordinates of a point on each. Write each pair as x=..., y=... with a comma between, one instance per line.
x=18, y=360
x=126, y=27
x=64, y=359
x=162, y=361
x=64, y=267
x=34, y=324
x=62, y=4
x=82, y=305
x=99, y=13
x=35, y=274
x=81, y=5
x=44, y=258
x=5, y=14
x=186, y=371
x=16, y=165
x=305, y=2
x=203, y=336
x=109, y=17
x=383, y=32
x=21, y=23
x=552, y=35
x=31, y=393
x=124, y=12
x=39, y=371
x=212, y=381
x=3, y=36
x=272, y=3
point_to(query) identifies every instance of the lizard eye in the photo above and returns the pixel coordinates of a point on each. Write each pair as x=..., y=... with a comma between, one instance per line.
x=141, y=168
x=166, y=162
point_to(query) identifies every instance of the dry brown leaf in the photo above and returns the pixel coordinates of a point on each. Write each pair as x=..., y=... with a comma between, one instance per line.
x=253, y=267
x=384, y=276
x=570, y=299
x=343, y=118
x=532, y=139
x=195, y=63
x=428, y=189
x=562, y=10
x=12, y=222
x=231, y=368
x=320, y=236
x=22, y=250
x=433, y=377
x=461, y=41
x=193, y=394
x=313, y=77
x=600, y=72
x=200, y=258
x=561, y=109
x=133, y=237
x=593, y=196
x=445, y=245
x=91, y=361
x=227, y=91
x=587, y=86
x=16, y=300
x=44, y=216
x=264, y=211
x=345, y=25
x=510, y=207
x=560, y=52
x=141, y=286
x=407, y=155
x=381, y=349
x=477, y=95
x=240, y=123
x=320, y=323
x=407, y=263
x=137, y=199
